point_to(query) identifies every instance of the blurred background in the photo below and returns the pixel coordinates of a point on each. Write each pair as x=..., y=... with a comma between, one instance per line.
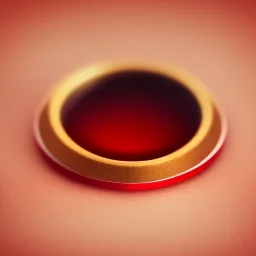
x=45, y=213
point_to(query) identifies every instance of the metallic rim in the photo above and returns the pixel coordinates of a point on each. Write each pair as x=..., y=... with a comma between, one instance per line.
x=68, y=86
x=200, y=149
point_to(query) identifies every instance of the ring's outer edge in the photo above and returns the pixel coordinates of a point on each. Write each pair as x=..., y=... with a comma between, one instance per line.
x=141, y=185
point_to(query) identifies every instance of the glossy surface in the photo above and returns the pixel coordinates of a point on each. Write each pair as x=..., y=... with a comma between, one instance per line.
x=46, y=212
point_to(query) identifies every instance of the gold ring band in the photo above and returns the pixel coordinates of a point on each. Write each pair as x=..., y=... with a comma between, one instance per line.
x=53, y=138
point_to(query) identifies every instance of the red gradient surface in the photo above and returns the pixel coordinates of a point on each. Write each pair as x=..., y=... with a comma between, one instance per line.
x=46, y=212
x=133, y=116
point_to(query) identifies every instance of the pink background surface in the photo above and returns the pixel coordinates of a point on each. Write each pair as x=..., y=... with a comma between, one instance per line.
x=43, y=212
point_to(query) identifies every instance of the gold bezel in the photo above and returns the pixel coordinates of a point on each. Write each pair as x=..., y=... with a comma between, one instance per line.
x=64, y=150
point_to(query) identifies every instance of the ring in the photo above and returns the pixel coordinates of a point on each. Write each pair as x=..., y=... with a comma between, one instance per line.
x=131, y=125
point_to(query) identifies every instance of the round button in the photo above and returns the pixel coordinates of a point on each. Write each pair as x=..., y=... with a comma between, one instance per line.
x=130, y=125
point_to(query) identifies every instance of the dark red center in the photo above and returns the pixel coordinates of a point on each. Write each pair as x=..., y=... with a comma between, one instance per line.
x=132, y=116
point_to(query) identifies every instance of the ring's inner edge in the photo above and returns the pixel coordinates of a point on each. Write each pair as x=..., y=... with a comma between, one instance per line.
x=131, y=115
